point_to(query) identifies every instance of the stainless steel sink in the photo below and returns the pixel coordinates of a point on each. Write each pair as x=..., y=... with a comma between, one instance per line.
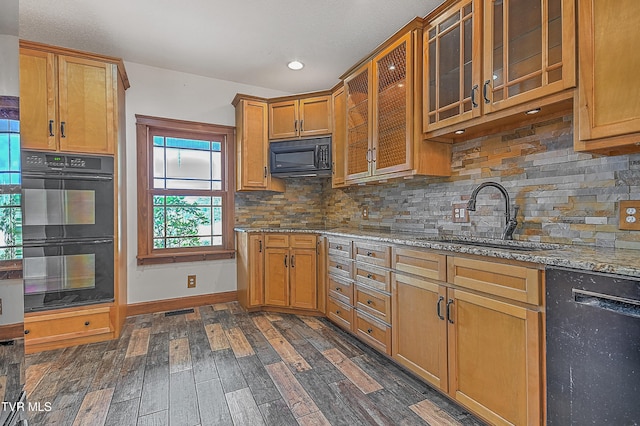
x=499, y=244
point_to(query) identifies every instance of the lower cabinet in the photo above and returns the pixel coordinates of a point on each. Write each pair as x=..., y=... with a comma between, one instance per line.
x=277, y=270
x=482, y=350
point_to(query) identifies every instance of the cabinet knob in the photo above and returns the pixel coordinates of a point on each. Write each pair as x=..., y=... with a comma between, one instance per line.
x=87, y=322
x=339, y=267
x=338, y=289
x=369, y=254
x=338, y=312
x=369, y=276
x=338, y=247
x=369, y=302
x=27, y=331
x=370, y=330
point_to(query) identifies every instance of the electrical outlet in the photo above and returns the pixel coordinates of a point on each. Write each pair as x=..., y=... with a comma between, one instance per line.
x=460, y=213
x=630, y=215
x=191, y=281
x=365, y=212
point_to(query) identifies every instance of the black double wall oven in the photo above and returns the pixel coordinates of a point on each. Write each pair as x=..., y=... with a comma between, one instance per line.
x=68, y=229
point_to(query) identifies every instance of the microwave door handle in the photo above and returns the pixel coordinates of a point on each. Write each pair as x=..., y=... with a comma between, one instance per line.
x=316, y=158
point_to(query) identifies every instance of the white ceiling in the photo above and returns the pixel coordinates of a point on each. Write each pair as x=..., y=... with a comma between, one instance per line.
x=246, y=41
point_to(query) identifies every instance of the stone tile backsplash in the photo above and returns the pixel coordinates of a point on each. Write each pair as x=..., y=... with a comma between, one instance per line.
x=564, y=196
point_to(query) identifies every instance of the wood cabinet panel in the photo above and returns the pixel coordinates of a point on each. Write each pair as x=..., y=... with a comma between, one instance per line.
x=375, y=254
x=339, y=137
x=250, y=269
x=38, y=95
x=373, y=302
x=486, y=333
x=277, y=240
x=340, y=266
x=283, y=120
x=302, y=273
x=340, y=247
x=373, y=332
x=303, y=241
x=420, y=329
x=341, y=290
x=373, y=276
x=340, y=313
x=276, y=282
x=607, y=113
x=315, y=116
x=419, y=262
x=499, y=279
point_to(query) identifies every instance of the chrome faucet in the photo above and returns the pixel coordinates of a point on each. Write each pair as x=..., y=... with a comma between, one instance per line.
x=511, y=222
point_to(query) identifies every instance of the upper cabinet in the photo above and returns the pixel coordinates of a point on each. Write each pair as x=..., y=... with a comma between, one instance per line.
x=339, y=136
x=299, y=118
x=71, y=102
x=383, y=108
x=252, y=146
x=607, y=111
x=487, y=57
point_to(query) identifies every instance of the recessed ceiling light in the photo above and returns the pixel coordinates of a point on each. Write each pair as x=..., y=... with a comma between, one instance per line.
x=533, y=111
x=295, y=65
x=459, y=132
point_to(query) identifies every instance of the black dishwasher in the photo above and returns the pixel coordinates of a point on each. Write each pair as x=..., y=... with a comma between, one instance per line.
x=593, y=348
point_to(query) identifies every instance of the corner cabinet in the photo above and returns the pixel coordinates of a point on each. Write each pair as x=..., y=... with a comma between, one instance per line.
x=300, y=118
x=252, y=146
x=70, y=99
x=383, y=138
x=484, y=59
x=607, y=111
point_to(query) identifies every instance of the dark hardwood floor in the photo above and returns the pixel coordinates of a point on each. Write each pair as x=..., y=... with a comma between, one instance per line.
x=220, y=366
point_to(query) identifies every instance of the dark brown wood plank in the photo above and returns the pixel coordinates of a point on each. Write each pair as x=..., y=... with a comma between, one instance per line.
x=212, y=404
x=183, y=405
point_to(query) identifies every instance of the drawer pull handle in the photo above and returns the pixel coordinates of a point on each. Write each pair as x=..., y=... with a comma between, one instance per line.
x=369, y=302
x=339, y=267
x=87, y=322
x=369, y=276
x=338, y=312
x=51, y=128
x=369, y=254
x=27, y=331
x=439, y=307
x=338, y=247
x=449, y=303
x=370, y=330
x=338, y=289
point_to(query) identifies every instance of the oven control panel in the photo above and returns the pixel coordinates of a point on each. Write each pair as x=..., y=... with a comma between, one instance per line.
x=42, y=161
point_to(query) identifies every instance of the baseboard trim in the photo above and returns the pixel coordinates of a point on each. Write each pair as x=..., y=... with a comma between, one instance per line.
x=180, y=303
x=11, y=331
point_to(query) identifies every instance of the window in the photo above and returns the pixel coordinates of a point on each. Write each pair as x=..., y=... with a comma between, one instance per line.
x=10, y=212
x=185, y=191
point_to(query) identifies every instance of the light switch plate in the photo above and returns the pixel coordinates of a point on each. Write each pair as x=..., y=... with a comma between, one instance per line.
x=460, y=213
x=630, y=215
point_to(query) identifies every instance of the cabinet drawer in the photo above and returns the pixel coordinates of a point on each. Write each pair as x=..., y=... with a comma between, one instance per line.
x=340, y=247
x=510, y=281
x=373, y=302
x=373, y=277
x=340, y=266
x=419, y=262
x=375, y=254
x=66, y=325
x=374, y=332
x=341, y=290
x=340, y=313
x=276, y=240
x=302, y=241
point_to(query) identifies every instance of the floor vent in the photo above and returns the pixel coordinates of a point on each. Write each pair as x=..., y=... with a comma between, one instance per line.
x=7, y=343
x=180, y=312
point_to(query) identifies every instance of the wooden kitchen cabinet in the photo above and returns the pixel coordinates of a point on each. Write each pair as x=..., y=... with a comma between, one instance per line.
x=340, y=287
x=490, y=62
x=291, y=271
x=301, y=117
x=252, y=146
x=71, y=101
x=383, y=110
x=494, y=358
x=339, y=137
x=250, y=269
x=607, y=111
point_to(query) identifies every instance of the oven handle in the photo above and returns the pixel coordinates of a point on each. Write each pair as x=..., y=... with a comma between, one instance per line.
x=66, y=242
x=66, y=176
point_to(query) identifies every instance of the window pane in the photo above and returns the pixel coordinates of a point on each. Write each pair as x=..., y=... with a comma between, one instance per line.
x=189, y=143
x=187, y=164
x=216, y=170
x=158, y=141
x=14, y=126
x=216, y=146
x=158, y=164
x=4, y=151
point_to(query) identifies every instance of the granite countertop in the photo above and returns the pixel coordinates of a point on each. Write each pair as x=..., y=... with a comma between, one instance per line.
x=588, y=258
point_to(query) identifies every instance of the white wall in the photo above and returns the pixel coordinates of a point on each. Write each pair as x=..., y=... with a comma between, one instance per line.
x=170, y=94
x=9, y=65
x=12, y=295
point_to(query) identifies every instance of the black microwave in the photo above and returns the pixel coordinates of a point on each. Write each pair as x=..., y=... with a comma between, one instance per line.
x=306, y=157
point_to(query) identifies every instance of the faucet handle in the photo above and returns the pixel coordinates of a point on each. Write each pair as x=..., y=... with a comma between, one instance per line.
x=516, y=208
